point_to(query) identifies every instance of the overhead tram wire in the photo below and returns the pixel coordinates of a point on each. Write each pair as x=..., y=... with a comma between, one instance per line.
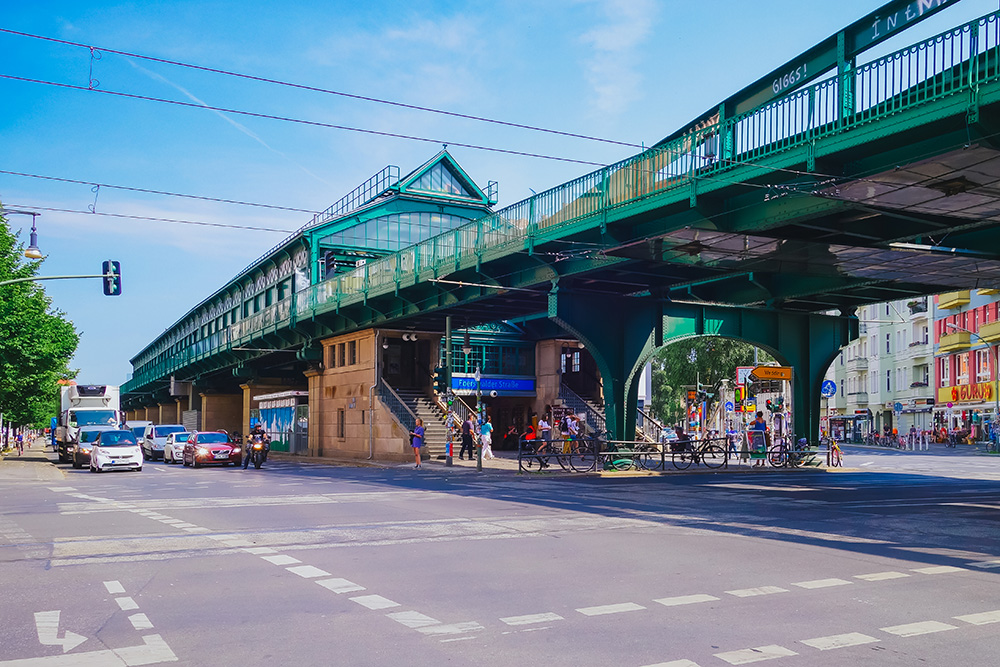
x=157, y=192
x=326, y=91
x=300, y=121
x=200, y=223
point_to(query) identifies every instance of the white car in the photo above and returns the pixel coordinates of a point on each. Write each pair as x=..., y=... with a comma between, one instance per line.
x=154, y=438
x=173, y=449
x=115, y=450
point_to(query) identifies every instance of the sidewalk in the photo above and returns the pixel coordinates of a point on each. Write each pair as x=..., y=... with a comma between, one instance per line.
x=34, y=465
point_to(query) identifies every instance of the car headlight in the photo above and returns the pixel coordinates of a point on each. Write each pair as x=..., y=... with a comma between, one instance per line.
x=85, y=450
x=236, y=450
x=202, y=451
x=71, y=448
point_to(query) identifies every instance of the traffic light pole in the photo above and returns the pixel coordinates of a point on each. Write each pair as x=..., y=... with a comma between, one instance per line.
x=450, y=419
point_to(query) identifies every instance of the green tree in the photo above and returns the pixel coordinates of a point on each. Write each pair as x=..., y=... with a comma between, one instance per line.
x=36, y=341
x=714, y=359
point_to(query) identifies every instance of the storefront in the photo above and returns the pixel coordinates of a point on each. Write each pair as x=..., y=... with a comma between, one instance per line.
x=850, y=428
x=967, y=407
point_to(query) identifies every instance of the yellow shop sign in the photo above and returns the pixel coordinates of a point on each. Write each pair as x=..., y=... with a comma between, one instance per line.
x=965, y=393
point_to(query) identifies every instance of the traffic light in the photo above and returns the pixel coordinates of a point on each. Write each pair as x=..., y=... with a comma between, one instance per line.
x=441, y=379
x=739, y=395
x=112, y=272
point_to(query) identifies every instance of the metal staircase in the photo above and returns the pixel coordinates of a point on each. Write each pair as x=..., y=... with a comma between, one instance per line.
x=594, y=415
x=420, y=404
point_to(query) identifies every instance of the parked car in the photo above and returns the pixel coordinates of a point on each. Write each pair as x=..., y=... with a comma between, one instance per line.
x=79, y=454
x=115, y=450
x=207, y=447
x=173, y=447
x=154, y=437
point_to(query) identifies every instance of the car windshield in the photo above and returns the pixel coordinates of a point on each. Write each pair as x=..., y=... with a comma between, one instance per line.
x=213, y=438
x=89, y=435
x=164, y=431
x=117, y=439
x=92, y=417
x=181, y=437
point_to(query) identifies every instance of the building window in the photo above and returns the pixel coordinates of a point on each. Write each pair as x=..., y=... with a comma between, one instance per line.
x=888, y=343
x=982, y=365
x=888, y=380
x=341, y=423
x=341, y=355
x=576, y=362
x=962, y=374
x=352, y=352
x=945, y=371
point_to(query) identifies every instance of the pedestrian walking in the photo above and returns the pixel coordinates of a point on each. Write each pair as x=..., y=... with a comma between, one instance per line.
x=760, y=425
x=417, y=440
x=467, y=442
x=486, y=438
x=544, y=428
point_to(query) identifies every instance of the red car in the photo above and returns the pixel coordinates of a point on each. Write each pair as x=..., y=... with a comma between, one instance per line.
x=205, y=447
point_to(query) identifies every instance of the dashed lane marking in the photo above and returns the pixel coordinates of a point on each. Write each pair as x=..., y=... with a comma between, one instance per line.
x=748, y=655
x=686, y=599
x=839, y=641
x=126, y=603
x=881, y=576
x=140, y=622
x=610, y=609
x=451, y=628
x=413, y=619
x=985, y=564
x=532, y=618
x=339, y=586
x=921, y=628
x=59, y=489
x=374, y=601
x=308, y=571
x=257, y=551
x=760, y=590
x=982, y=618
x=674, y=663
x=822, y=583
x=238, y=543
x=281, y=559
x=114, y=587
x=940, y=569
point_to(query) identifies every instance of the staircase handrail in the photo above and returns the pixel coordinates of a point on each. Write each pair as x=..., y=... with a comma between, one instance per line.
x=649, y=426
x=600, y=421
x=396, y=405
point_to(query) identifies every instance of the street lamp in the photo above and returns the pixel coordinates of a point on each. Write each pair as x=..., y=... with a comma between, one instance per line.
x=996, y=375
x=32, y=251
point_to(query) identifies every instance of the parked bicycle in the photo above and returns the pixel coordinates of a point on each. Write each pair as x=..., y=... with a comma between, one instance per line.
x=711, y=453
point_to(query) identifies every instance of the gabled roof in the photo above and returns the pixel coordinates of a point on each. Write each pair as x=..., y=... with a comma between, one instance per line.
x=441, y=176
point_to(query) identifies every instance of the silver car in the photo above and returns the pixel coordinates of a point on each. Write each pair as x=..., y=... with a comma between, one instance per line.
x=173, y=449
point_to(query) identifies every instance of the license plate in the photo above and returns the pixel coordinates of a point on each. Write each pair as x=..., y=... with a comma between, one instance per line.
x=222, y=455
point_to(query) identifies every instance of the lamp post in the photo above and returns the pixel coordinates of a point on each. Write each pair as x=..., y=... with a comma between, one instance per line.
x=32, y=251
x=996, y=375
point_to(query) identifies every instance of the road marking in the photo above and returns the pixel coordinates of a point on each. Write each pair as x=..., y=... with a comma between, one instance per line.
x=761, y=487
x=340, y=585
x=196, y=529
x=610, y=609
x=451, y=629
x=219, y=537
x=839, y=641
x=57, y=489
x=374, y=601
x=686, y=599
x=982, y=618
x=173, y=522
x=822, y=583
x=760, y=590
x=256, y=551
x=114, y=587
x=126, y=604
x=532, y=618
x=987, y=564
x=238, y=543
x=881, y=576
x=140, y=622
x=47, y=627
x=152, y=651
x=308, y=571
x=921, y=628
x=413, y=619
x=182, y=524
x=281, y=560
x=674, y=663
x=940, y=569
x=749, y=655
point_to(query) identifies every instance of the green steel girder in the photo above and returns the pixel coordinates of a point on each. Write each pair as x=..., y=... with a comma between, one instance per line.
x=622, y=334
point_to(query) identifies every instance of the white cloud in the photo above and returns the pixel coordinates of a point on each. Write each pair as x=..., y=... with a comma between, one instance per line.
x=611, y=68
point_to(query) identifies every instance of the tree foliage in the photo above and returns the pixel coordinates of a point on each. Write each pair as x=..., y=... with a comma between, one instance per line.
x=673, y=371
x=36, y=341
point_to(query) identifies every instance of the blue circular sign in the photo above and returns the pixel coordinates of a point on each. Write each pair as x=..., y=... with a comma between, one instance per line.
x=729, y=406
x=828, y=388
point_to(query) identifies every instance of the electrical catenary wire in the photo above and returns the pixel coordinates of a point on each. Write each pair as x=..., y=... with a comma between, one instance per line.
x=300, y=121
x=200, y=223
x=156, y=192
x=316, y=89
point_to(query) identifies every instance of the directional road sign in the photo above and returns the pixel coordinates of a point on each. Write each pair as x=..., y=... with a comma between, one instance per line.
x=772, y=373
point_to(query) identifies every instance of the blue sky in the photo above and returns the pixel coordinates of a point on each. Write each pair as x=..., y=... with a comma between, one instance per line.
x=629, y=70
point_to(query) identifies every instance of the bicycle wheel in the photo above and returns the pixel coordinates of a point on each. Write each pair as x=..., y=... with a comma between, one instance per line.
x=650, y=458
x=583, y=459
x=835, y=458
x=713, y=456
x=777, y=456
x=682, y=460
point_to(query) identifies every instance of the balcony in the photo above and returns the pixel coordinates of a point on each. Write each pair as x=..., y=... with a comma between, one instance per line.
x=990, y=332
x=950, y=300
x=858, y=398
x=857, y=364
x=954, y=341
x=918, y=309
x=987, y=292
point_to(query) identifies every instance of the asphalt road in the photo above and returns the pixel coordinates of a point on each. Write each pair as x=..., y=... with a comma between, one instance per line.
x=893, y=561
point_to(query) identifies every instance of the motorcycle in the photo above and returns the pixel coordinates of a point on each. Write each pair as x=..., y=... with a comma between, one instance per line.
x=258, y=450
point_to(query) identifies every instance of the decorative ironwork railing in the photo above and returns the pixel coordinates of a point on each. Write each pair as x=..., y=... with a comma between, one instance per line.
x=397, y=406
x=595, y=419
x=955, y=61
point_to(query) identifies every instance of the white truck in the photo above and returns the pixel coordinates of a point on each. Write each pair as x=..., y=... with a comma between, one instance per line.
x=85, y=405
